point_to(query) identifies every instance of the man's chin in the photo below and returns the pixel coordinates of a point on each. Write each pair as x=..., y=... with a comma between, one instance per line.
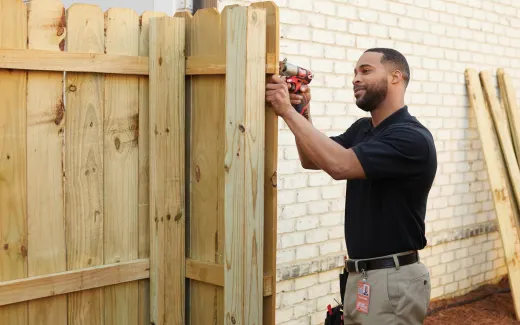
x=363, y=106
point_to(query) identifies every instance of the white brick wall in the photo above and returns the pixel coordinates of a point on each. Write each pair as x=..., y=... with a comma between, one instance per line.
x=440, y=38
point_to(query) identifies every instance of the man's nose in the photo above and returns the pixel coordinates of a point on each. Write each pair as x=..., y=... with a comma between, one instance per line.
x=355, y=80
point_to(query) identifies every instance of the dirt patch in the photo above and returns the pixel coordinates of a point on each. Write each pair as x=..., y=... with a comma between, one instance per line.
x=487, y=305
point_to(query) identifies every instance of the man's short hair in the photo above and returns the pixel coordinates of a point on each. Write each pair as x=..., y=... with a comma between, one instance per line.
x=395, y=58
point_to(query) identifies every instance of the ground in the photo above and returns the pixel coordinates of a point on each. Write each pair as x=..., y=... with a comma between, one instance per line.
x=488, y=305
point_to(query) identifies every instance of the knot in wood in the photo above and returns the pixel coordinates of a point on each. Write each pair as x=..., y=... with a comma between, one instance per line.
x=72, y=88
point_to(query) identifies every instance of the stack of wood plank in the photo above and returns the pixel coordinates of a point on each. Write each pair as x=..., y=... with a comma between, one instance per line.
x=498, y=123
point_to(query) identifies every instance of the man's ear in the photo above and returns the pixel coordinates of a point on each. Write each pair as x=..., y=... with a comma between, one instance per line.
x=396, y=76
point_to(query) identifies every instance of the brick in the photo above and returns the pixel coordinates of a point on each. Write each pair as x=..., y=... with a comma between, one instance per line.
x=306, y=252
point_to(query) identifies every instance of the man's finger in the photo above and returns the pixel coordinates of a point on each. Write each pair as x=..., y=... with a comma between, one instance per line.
x=274, y=86
x=277, y=79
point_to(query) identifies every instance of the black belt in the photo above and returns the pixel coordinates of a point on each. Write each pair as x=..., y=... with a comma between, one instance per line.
x=380, y=263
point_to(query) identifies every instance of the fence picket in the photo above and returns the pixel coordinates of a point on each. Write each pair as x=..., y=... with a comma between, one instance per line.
x=84, y=212
x=144, y=166
x=45, y=141
x=207, y=169
x=13, y=159
x=121, y=165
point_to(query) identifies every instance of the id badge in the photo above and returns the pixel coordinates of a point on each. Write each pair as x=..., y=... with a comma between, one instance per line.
x=363, y=297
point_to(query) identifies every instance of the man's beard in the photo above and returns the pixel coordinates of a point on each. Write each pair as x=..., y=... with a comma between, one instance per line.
x=374, y=95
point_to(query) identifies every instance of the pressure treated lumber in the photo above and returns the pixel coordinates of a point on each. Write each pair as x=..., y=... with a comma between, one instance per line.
x=508, y=95
x=270, y=168
x=84, y=204
x=498, y=181
x=167, y=184
x=53, y=285
x=45, y=142
x=212, y=273
x=500, y=120
x=206, y=171
x=42, y=60
x=13, y=159
x=144, y=166
x=121, y=166
x=244, y=165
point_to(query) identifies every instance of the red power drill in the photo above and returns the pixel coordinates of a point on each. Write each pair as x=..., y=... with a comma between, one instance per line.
x=296, y=77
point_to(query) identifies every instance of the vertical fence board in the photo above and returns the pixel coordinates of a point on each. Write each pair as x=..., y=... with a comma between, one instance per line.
x=207, y=145
x=167, y=208
x=270, y=174
x=84, y=161
x=45, y=131
x=144, y=166
x=13, y=159
x=244, y=164
x=121, y=165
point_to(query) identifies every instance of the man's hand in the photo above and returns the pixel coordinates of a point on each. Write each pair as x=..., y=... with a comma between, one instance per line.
x=277, y=95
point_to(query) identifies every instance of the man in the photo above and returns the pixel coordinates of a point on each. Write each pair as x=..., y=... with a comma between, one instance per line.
x=389, y=161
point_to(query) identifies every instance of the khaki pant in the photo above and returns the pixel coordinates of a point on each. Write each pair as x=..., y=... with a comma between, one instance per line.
x=397, y=296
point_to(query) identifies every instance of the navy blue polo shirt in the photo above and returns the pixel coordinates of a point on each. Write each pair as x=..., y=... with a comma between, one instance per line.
x=384, y=213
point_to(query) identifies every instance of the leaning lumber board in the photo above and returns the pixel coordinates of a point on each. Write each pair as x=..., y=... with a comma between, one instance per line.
x=508, y=95
x=500, y=121
x=45, y=141
x=244, y=165
x=13, y=159
x=498, y=181
x=121, y=165
x=54, y=285
x=167, y=207
x=84, y=210
x=144, y=166
x=270, y=167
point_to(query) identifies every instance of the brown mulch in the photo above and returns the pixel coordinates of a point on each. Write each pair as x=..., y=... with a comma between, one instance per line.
x=486, y=307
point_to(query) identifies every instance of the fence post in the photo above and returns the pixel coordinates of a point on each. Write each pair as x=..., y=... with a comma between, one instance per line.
x=244, y=165
x=167, y=180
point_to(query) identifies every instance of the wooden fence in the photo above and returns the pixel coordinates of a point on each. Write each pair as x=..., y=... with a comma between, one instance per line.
x=137, y=165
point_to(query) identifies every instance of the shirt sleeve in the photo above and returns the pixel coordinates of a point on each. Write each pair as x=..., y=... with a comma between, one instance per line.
x=399, y=152
x=347, y=138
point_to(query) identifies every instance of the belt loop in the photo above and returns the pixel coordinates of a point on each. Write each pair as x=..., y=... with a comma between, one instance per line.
x=396, y=261
x=357, y=269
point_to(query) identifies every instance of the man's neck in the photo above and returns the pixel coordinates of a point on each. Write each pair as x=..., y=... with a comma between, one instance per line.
x=384, y=110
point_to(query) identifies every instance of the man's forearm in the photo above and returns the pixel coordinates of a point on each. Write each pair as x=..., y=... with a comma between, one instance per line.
x=305, y=161
x=325, y=153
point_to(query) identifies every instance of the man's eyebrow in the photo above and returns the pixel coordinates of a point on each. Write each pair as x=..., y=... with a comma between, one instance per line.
x=366, y=65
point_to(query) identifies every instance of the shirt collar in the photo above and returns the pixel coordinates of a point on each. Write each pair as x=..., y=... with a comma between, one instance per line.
x=396, y=116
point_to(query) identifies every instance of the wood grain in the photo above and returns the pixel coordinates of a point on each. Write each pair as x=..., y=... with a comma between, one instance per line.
x=42, y=60
x=501, y=124
x=206, y=171
x=508, y=95
x=498, y=181
x=84, y=205
x=52, y=285
x=13, y=159
x=144, y=166
x=121, y=165
x=244, y=165
x=45, y=145
x=270, y=167
x=167, y=185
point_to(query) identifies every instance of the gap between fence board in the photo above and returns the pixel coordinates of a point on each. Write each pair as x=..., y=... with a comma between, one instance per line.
x=72, y=281
x=42, y=60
